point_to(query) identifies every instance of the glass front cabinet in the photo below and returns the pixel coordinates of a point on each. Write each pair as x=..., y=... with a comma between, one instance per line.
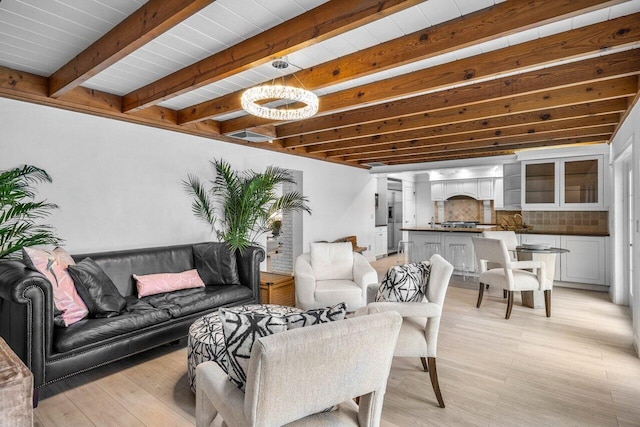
x=567, y=183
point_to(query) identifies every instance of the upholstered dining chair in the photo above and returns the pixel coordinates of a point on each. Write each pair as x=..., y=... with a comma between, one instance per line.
x=420, y=320
x=508, y=275
x=331, y=273
x=510, y=239
x=294, y=376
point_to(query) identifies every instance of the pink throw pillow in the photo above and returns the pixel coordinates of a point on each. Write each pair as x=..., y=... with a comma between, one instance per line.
x=53, y=265
x=152, y=284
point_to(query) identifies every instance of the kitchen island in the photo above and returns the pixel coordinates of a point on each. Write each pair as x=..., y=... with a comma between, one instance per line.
x=584, y=266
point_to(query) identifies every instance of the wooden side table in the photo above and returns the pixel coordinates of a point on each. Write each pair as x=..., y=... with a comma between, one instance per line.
x=16, y=389
x=277, y=289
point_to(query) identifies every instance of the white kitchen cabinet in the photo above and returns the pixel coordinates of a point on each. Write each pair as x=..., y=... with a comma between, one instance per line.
x=585, y=262
x=469, y=187
x=469, y=258
x=451, y=188
x=550, y=239
x=512, y=184
x=572, y=183
x=380, y=249
x=461, y=187
x=419, y=238
x=437, y=191
x=485, y=188
x=498, y=193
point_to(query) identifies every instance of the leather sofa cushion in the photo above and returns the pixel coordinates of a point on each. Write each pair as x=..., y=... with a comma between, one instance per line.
x=96, y=289
x=120, y=266
x=216, y=264
x=135, y=316
x=188, y=301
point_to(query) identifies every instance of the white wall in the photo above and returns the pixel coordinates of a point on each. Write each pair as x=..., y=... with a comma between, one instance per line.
x=627, y=137
x=118, y=184
x=425, y=207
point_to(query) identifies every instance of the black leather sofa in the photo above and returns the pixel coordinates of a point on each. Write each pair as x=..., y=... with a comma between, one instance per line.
x=53, y=353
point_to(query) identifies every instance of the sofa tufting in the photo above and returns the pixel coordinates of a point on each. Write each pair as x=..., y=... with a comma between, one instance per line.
x=53, y=353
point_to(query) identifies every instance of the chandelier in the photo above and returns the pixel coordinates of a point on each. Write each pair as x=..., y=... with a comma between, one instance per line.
x=279, y=93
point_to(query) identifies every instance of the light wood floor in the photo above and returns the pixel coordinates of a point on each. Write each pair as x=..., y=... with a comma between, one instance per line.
x=576, y=368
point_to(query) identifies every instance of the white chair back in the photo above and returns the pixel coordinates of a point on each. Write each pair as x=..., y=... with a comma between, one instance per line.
x=490, y=250
x=303, y=371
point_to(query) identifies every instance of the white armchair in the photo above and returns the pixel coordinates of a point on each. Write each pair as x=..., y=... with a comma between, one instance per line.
x=508, y=275
x=420, y=320
x=331, y=273
x=294, y=375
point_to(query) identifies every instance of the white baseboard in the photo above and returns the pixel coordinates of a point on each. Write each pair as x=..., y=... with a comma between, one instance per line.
x=585, y=286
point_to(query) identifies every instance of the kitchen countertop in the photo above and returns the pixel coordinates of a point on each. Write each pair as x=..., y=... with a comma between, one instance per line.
x=480, y=229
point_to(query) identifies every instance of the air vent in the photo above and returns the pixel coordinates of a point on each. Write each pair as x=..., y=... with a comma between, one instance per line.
x=250, y=136
x=373, y=164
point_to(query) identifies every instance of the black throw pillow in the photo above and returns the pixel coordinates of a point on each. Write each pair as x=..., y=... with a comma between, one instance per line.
x=216, y=264
x=96, y=289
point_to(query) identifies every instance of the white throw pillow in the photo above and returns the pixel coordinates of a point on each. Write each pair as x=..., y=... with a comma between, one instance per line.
x=332, y=261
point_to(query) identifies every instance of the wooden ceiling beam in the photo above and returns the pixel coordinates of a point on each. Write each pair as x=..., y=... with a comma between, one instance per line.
x=580, y=41
x=485, y=121
x=136, y=30
x=481, y=133
x=487, y=152
x=325, y=21
x=388, y=117
x=497, y=146
x=487, y=24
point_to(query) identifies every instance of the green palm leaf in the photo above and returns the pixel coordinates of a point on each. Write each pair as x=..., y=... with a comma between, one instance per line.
x=19, y=213
x=247, y=201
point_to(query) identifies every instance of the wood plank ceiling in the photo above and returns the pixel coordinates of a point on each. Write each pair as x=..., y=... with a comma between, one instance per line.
x=399, y=81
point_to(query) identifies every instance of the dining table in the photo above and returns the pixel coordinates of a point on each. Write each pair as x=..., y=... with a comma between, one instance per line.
x=547, y=254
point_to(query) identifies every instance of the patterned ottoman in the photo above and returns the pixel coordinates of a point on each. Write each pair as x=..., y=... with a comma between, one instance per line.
x=206, y=340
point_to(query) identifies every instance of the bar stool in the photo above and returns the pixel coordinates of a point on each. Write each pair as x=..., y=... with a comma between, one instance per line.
x=431, y=248
x=458, y=257
x=406, y=248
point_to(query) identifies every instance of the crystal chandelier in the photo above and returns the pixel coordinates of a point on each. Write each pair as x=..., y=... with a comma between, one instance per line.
x=281, y=93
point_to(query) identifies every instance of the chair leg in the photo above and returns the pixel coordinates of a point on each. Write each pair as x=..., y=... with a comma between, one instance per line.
x=504, y=293
x=480, y=294
x=547, y=302
x=424, y=364
x=509, y=304
x=433, y=374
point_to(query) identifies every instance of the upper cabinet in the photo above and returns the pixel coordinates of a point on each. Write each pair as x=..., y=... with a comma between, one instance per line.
x=477, y=188
x=485, y=188
x=437, y=191
x=574, y=183
x=512, y=185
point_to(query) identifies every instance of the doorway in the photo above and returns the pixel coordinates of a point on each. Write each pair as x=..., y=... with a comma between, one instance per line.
x=394, y=214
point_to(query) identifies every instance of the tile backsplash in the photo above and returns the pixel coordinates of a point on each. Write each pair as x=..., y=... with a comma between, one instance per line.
x=468, y=209
x=464, y=209
x=572, y=221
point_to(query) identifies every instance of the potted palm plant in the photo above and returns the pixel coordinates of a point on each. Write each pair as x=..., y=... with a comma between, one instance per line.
x=20, y=213
x=248, y=201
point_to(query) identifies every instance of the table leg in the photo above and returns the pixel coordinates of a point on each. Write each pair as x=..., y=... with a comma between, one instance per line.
x=535, y=299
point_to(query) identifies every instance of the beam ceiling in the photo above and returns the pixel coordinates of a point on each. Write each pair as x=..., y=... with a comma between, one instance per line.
x=572, y=87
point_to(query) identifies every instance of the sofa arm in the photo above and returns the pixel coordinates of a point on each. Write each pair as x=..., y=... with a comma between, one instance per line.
x=249, y=268
x=305, y=282
x=363, y=274
x=26, y=315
